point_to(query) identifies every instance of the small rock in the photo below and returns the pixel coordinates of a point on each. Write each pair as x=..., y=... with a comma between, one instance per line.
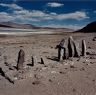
x=58, y=83
x=92, y=57
x=88, y=53
x=50, y=80
x=61, y=72
x=93, y=80
x=72, y=66
x=94, y=39
x=82, y=69
x=36, y=82
x=74, y=90
x=89, y=47
x=66, y=68
x=15, y=78
x=44, y=68
x=91, y=62
x=53, y=72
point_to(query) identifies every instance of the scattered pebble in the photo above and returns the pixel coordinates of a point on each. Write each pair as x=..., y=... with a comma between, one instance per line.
x=93, y=80
x=61, y=72
x=94, y=39
x=15, y=78
x=44, y=68
x=92, y=62
x=53, y=72
x=50, y=80
x=89, y=47
x=66, y=68
x=92, y=57
x=72, y=66
x=82, y=69
x=74, y=90
x=36, y=82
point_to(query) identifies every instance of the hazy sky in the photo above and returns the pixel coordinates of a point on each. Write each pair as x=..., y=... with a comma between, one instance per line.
x=52, y=13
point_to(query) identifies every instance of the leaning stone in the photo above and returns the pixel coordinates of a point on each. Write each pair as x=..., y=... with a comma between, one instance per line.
x=5, y=76
x=20, y=62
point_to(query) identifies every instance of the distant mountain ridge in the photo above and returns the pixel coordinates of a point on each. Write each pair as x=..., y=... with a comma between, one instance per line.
x=91, y=27
x=24, y=26
x=17, y=25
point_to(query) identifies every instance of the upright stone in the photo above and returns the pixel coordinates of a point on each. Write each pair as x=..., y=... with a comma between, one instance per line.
x=83, y=52
x=32, y=61
x=42, y=61
x=76, y=50
x=70, y=47
x=21, y=56
x=65, y=54
x=61, y=54
x=60, y=50
x=35, y=60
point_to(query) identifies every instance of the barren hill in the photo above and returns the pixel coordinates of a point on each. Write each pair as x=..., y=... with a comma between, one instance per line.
x=91, y=27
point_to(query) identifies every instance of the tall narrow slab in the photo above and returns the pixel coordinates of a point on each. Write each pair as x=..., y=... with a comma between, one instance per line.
x=42, y=61
x=70, y=47
x=76, y=50
x=65, y=54
x=83, y=52
x=60, y=50
x=20, y=62
x=32, y=61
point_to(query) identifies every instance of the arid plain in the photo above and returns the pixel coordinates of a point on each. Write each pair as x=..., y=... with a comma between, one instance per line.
x=73, y=76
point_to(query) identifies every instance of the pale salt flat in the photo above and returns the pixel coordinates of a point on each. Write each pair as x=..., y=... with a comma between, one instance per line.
x=10, y=31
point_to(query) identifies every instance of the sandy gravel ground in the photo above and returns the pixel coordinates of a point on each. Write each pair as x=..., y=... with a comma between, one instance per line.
x=75, y=76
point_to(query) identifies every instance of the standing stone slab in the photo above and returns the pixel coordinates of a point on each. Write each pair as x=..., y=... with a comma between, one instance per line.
x=35, y=60
x=60, y=50
x=70, y=47
x=32, y=61
x=42, y=61
x=76, y=50
x=83, y=52
x=61, y=54
x=21, y=56
x=65, y=54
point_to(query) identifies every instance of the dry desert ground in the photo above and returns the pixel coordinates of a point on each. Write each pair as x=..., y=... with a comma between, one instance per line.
x=73, y=76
